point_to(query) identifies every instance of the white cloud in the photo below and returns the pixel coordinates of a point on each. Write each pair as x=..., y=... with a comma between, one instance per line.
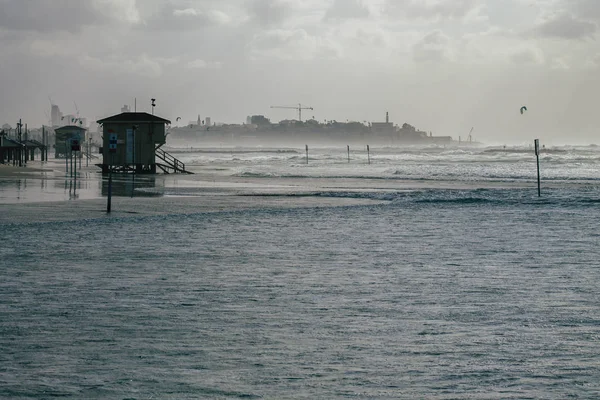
x=565, y=26
x=432, y=9
x=528, y=56
x=433, y=47
x=348, y=9
x=120, y=10
x=142, y=65
x=294, y=44
x=201, y=64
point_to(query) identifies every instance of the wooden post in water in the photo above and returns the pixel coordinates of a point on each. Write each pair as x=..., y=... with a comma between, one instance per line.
x=109, y=186
x=26, y=156
x=348, y=153
x=75, y=175
x=537, y=156
x=43, y=142
x=368, y=155
x=71, y=157
x=306, y=154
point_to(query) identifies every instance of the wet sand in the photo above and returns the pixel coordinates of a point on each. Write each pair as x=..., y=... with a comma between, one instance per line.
x=43, y=192
x=29, y=194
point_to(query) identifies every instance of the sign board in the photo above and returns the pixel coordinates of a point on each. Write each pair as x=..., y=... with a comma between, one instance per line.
x=112, y=143
x=537, y=146
x=75, y=145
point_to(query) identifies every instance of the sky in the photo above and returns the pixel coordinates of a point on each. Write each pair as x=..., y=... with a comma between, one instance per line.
x=444, y=66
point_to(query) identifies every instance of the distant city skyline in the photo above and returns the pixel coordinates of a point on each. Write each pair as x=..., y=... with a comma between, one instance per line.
x=443, y=65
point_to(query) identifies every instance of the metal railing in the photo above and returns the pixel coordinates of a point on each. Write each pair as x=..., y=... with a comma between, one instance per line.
x=171, y=161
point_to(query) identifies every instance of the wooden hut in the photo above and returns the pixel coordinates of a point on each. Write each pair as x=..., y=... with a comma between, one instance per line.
x=131, y=142
x=64, y=135
x=11, y=151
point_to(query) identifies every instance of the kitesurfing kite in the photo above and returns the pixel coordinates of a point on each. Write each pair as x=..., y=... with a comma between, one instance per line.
x=178, y=118
x=523, y=109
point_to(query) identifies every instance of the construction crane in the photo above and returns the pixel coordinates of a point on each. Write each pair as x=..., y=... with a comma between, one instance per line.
x=298, y=107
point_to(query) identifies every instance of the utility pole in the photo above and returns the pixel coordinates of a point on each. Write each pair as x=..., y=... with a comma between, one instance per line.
x=19, y=133
x=153, y=105
x=536, y=144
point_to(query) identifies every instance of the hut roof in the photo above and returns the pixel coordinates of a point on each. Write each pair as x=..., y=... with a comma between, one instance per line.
x=134, y=117
x=69, y=128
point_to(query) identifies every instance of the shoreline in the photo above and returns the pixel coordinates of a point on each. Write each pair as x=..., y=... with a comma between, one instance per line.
x=122, y=207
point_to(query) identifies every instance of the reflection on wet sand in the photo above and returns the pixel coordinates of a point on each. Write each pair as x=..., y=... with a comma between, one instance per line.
x=129, y=185
x=51, y=184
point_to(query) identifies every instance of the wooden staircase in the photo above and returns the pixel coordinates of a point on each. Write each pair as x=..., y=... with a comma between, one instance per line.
x=170, y=164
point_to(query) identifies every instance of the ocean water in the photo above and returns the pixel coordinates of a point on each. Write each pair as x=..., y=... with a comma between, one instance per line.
x=463, y=284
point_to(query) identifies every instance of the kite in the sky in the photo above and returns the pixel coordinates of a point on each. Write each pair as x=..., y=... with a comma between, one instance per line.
x=523, y=109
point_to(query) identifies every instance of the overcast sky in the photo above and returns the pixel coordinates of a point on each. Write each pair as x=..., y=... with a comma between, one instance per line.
x=442, y=65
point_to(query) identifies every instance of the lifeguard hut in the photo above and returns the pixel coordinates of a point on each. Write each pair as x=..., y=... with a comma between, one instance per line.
x=131, y=142
x=64, y=136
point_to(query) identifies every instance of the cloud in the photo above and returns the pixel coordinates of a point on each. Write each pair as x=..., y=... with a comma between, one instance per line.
x=201, y=64
x=585, y=9
x=525, y=57
x=269, y=12
x=64, y=15
x=559, y=64
x=294, y=44
x=565, y=26
x=143, y=65
x=171, y=18
x=432, y=9
x=593, y=62
x=433, y=47
x=347, y=9
x=46, y=15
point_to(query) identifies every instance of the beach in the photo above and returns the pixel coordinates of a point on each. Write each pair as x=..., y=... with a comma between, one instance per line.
x=431, y=273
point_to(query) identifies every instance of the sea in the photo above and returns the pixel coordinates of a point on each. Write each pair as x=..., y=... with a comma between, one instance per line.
x=457, y=282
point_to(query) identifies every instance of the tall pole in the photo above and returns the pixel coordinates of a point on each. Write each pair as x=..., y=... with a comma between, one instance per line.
x=26, y=155
x=71, y=157
x=537, y=156
x=109, y=184
x=75, y=173
x=43, y=141
x=368, y=155
x=19, y=132
x=306, y=154
x=348, y=153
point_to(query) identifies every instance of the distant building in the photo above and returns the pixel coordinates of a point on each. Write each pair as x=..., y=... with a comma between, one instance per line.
x=56, y=116
x=248, y=120
x=207, y=121
x=383, y=129
x=260, y=120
